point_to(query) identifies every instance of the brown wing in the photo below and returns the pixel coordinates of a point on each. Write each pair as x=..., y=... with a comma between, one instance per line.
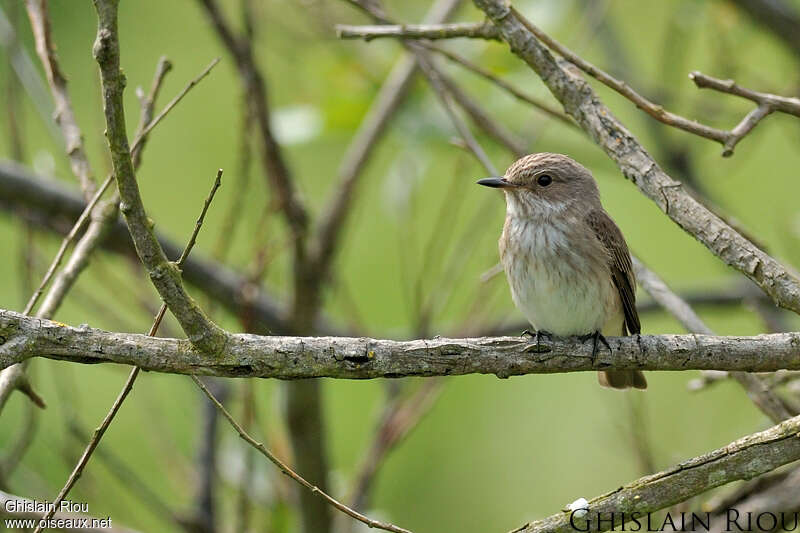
x=620, y=264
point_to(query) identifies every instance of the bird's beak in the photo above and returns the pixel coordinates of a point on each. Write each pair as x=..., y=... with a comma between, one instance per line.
x=496, y=182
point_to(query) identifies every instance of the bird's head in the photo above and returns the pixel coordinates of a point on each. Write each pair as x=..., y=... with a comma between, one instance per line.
x=545, y=183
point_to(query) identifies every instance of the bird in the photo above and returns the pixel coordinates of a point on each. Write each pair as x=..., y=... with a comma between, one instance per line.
x=566, y=261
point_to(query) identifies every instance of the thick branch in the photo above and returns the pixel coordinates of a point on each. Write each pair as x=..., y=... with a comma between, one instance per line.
x=582, y=103
x=164, y=275
x=419, y=31
x=363, y=358
x=745, y=458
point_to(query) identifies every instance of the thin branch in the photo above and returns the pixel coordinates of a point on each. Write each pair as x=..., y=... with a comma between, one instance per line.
x=364, y=358
x=439, y=89
x=784, y=104
x=128, y=387
x=419, y=31
x=28, y=75
x=203, y=517
x=128, y=478
x=64, y=115
x=291, y=473
x=513, y=91
x=65, y=243
x=767, y=103
x=276, y=169
x=434, y=77
x=517, y=146
x=388, y=100
x=147, y=105
x=583, y=104
x=742, y=459
x=141, y=137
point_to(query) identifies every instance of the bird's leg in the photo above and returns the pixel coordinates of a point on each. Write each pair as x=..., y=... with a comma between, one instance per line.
x=538, y=336
x=596, y=336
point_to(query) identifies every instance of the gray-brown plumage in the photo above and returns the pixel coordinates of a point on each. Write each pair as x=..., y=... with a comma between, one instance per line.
x=566, y=260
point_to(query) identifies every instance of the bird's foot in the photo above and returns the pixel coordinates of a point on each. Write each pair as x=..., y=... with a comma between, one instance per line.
x=596, y=336
x=538, y=337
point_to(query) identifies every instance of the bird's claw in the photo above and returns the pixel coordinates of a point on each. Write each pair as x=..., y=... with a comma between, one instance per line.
x=538, y=337
x=596, y=336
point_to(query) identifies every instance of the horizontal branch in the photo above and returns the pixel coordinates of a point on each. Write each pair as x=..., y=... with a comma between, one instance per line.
x=419, y=31
x=23, y=337
x=745, y=458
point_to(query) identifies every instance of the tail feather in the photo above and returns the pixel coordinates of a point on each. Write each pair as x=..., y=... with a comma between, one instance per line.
x=622, y=379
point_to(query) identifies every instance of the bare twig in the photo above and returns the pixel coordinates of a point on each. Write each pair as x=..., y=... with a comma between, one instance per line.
x=388, y=100
x=203, y=518
x=142, y=136
x=147, y=105
x=280, y=178
x=767, y=103
x=435, y=80
x=419, y=31
x=784, y=104
x=28, y=75
x=483, y=120
x=128, y=478
x=513, y=91
x=64, y=115
x=70, y=237
x=291, y=473
x=729, y=139
x=304, y=411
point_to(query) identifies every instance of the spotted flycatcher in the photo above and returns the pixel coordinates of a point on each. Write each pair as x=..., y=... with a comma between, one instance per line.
x=566, y=261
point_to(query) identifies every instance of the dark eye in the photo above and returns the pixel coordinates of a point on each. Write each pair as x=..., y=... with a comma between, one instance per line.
x=544, y=180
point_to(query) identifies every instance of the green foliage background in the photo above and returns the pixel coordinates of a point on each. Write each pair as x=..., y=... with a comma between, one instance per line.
x=492, y=453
